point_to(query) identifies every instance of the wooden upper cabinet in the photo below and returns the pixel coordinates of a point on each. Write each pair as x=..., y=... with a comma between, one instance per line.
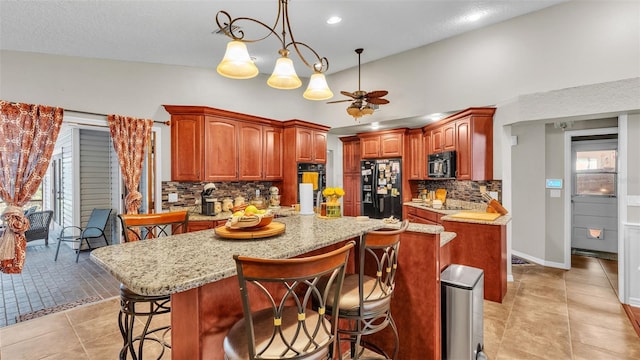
x=443, y=138
x=474, y=146
x=449, y=137
x=186, y=147
x=221, y=146
x=350, y=154
x=303, y=142
x=250, y=151
x=209, y=144
x=272, y=153
x=414, y=159
x=391, y=144
x=426, y=150
x=437, y=141
x=384, y=144
x=311, y=146
x=370, y=147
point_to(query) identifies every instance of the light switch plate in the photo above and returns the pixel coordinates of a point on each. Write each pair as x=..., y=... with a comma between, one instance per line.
x=554, y=193
x=173, y=197
x=493, y=194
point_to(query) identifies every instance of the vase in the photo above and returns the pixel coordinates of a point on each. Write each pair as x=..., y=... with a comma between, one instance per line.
x=333, y=207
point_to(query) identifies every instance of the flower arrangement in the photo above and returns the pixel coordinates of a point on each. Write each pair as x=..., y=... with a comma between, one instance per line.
x=333, y=205
x=333, y=194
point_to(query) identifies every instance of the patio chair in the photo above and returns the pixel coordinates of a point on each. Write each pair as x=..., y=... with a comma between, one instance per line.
x=39, y=222
x=94, y=229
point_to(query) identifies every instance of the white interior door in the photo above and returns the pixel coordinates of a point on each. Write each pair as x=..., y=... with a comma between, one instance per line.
x=594, y=213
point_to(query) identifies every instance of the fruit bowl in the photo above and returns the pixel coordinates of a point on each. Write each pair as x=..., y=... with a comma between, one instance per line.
x=246, y=219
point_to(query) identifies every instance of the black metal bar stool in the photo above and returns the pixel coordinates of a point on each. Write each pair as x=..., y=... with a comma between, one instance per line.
x=142, y=227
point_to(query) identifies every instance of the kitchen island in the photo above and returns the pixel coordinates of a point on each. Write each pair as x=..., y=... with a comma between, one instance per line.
x=198, y=270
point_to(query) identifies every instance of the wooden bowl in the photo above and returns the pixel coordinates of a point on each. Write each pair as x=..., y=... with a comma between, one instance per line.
x=249, y=222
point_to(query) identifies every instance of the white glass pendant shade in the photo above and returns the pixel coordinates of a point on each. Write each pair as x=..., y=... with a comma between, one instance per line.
x=284, y=75
x=236, y=63
x=318, y=88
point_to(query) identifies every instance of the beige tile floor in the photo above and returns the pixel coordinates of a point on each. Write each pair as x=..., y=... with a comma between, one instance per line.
x=547, y=314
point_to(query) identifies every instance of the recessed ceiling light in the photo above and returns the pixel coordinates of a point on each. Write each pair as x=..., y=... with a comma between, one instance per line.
x=334, y=20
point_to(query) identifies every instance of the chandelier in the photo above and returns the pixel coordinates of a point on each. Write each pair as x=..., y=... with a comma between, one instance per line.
x=237, y=63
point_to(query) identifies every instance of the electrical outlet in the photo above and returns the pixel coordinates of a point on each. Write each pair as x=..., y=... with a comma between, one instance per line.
x=493, y=194
x=173, y=197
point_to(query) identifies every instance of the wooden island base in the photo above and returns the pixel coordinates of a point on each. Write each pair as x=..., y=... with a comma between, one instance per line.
x=201, y=317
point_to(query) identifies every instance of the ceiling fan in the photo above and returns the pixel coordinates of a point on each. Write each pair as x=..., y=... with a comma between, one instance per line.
x=363, y=103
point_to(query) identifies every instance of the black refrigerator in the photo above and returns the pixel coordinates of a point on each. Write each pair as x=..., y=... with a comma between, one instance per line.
x=381, y=181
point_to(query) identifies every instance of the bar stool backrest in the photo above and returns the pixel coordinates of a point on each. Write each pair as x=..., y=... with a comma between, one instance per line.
x=378, y=258
x=293, y=323
x=148, y=226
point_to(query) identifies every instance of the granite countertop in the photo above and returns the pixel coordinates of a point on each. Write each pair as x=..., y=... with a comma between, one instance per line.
x=468, y=207
x=186, y=261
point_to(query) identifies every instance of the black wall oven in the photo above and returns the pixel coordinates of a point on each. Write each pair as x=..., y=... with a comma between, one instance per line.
x=442, y=165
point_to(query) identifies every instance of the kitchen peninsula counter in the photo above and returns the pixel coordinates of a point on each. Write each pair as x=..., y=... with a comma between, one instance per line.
x=198, y=270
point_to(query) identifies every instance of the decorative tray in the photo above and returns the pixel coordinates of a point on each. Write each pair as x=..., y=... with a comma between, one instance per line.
x=273, y=229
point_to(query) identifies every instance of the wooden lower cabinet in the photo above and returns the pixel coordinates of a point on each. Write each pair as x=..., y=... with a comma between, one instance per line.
x=485, y=247
x=421, y=216
x=204, y=225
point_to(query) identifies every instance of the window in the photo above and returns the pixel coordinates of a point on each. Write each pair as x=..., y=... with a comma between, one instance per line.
x=596, y=172
x=36, y=200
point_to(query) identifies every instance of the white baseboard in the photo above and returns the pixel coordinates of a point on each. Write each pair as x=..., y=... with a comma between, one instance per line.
x=539, y=261
x=509, y=278
x=634, y=301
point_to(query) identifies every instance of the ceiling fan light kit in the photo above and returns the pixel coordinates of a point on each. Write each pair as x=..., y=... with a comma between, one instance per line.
x=363, y=103
x=237, y=64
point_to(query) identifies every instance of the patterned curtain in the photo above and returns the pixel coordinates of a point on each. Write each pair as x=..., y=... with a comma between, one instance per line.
x=28, y=135
x=129, y=139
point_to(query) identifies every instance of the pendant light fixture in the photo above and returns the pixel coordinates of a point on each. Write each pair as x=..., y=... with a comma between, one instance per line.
x=237, y=63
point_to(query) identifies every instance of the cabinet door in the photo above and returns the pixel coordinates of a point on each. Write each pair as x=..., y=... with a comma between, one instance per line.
x=351, y=157
x=250, y=148
x=370, y=147
x=426, y=150
x=437, y=142
x=272, y=153
x=186, y=147
x=449, y=137
x=463, y=151
x=351, y=199
x=200, y=225
x=304, y=145
x=416, y=156
x=391, y=145
x=221, y=149
x=319, y=147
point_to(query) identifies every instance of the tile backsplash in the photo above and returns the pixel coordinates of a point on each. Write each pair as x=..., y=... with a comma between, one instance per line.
x=189, y=192
x=464, y=190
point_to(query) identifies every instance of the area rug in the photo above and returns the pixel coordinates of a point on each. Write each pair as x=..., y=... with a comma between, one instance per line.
x=57, y=308
x=518, y=261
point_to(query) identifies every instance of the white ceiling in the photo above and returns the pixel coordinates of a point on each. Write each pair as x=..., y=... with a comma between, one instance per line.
x=180, y=32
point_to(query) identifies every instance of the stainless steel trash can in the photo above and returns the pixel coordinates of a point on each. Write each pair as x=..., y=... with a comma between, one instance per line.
x=462, y=311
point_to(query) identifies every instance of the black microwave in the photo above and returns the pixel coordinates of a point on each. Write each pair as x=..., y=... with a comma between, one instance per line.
x=442, y=165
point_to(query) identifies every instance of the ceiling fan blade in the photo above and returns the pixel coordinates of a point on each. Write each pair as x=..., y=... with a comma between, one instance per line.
x=338, y=101
x=377, y=101
x=346, y=93
x=377, y=93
